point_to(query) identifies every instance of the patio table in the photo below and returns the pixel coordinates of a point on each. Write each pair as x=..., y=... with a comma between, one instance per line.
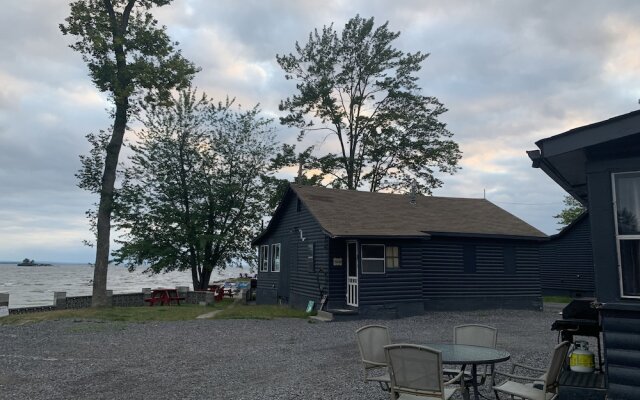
x=463, y=355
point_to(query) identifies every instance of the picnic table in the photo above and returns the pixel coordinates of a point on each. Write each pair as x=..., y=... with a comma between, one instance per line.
x=164, y=296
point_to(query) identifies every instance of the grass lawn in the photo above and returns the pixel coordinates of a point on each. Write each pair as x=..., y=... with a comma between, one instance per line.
x=228, y=310
x=123, y=314
x=557, y=299
x=260, y=312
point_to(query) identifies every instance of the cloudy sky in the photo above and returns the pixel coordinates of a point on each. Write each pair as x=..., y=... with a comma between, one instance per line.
x=510, y=73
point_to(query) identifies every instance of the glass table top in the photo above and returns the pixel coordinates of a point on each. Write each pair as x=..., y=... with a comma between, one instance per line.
x=464, y=354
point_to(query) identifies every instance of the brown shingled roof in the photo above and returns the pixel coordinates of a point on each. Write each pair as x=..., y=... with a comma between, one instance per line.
x=354, y=213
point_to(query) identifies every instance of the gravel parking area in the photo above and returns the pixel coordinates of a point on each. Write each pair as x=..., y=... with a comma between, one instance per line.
x=229, y=359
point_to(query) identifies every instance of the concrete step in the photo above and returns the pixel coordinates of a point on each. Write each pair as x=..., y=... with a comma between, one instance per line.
x=322, y=316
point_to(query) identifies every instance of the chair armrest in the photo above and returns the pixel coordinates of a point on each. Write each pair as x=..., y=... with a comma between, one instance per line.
x=456, y=379
x=522, y=377
x=524, y=366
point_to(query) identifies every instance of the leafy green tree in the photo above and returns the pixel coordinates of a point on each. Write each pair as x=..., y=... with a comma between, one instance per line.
x=573, y=209
x=194, y=196
x=361, y=90
x=128, y=56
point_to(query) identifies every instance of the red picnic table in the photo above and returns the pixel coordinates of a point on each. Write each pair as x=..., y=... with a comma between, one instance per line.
x=164, y=296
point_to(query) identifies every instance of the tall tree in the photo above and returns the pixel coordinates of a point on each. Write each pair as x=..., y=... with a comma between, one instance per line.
x=128, y=55
x=572, y=210
x=357, y=87
x=194, y=196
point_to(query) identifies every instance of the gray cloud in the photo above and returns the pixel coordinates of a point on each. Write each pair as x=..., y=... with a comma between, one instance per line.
x=509, y=72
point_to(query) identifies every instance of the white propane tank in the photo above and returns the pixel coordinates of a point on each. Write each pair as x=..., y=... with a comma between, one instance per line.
x=582, y=360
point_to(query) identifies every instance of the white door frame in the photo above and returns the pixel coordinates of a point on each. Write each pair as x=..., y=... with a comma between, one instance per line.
x=352, y=281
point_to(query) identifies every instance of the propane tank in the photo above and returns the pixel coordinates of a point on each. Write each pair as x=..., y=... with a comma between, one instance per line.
x=582, y=360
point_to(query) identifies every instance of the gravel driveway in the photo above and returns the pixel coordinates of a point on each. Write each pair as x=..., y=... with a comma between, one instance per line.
x=229, y=359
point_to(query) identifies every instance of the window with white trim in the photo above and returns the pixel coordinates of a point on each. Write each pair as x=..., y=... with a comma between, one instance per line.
x=392, y=257
x=372, y=259
x=626, y=193
x=263, y=258
x=275, y=257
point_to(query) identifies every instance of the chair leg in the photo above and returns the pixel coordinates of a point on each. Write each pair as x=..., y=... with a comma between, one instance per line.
x=496, y=393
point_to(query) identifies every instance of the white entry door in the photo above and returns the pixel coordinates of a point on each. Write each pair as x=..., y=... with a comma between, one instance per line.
x=352, y=274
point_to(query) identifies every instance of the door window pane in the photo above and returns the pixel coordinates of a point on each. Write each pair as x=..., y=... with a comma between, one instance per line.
x=352, y=259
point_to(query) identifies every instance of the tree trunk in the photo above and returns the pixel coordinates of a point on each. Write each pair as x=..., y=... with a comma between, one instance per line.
x=99, y=298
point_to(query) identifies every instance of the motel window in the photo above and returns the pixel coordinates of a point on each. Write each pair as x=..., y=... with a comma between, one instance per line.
x=275, y=257
x=372, y=258
x=263, y=259
x=626, y=192
x=392, y=257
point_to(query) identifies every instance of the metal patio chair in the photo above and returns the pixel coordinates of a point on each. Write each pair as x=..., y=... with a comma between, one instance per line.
x=475, y=335
x=371, y=341
x=544, y=387
x=416, y=373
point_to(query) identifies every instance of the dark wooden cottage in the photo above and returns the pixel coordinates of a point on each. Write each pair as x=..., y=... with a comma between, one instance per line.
x=599, y=164
x=392, y=255
x=566, y=261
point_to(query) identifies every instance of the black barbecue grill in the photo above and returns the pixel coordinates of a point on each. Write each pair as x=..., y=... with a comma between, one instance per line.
x=579, y=318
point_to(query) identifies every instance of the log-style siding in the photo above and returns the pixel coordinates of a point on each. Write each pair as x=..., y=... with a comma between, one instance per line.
x=304, y=281
x=446, y=284
x=566, y=261
x=622, y=352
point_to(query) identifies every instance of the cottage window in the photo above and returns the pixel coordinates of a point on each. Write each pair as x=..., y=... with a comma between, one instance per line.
x=392, y=257
x=263, y=259
x=275, y=257
x=626, y=192
x=372, y=258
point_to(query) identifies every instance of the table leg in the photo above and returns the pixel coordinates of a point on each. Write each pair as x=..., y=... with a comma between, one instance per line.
x=474, y=381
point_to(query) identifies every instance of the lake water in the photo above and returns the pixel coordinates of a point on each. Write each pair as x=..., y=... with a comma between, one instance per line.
x=34, y=286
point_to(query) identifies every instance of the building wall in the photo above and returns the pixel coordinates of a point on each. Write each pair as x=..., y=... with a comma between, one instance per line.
x=433, y=276
x=298, y=280
x=566, y=262
x=505, y=274
x=397, y=292
x=620, y=316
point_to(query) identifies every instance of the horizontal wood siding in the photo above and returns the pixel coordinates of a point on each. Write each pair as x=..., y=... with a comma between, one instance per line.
x=397, y=285
x=622, y=351
x=566, y=262
x=443, y=273
x=304, y=283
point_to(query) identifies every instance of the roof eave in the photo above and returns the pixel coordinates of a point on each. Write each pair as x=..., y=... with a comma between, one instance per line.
x=539, y=161
x=489, y=236
x=392, y=237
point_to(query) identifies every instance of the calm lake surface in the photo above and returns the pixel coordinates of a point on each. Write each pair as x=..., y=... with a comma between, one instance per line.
x=34, y=286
